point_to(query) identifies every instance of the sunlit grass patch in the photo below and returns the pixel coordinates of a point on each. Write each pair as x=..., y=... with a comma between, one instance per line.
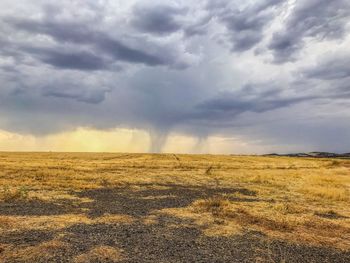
x=52, y=222
x=150, y=220
x=7, y=222
x=102, y=254
x=54, y=195
x=56, y=222
x=45, y=251
x=15, y=193
x=327, y=193
x=220, y=216
x=157, y=197
x=289, y=208
x=114, y=219
x=224, y=209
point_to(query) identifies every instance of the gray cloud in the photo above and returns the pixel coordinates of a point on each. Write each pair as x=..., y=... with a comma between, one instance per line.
x=163, y=70
x=131, y=50
x=257, y=98
x=157, y=18
x=68, y=59
x=320, y=19
x=246, y=26
x=163, y=19
x=330, y=68
x=77, y=92
x=199, y=27
x=330, y=76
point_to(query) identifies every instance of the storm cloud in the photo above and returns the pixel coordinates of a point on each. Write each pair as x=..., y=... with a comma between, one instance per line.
x=158, y=18
x=197, y=68
x=316, y=19
x=245, y=26
x=90, y=48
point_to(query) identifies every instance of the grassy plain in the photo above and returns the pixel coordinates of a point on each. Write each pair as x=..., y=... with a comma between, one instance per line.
x=47, y=198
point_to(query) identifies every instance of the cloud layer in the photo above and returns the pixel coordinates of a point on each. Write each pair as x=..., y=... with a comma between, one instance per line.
x=269, y=70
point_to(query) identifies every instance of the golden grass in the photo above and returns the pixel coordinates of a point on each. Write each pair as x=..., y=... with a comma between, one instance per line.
x=100, y=254
x=219, y=216
x=8, y=194
x=113, y=219
x=150, y=220
x=291, y=194
x=43, y=252
x=56, y=222
x=327, y=192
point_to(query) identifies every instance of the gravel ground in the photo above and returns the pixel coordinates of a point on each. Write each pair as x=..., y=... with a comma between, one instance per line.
x=170, y=240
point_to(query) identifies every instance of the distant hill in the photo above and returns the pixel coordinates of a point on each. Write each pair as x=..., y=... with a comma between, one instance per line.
x=313, y=155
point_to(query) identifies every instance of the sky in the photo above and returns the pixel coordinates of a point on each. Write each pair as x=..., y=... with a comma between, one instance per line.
x=186, y=76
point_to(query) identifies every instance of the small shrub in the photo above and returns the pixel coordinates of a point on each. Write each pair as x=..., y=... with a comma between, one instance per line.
x=218, y=206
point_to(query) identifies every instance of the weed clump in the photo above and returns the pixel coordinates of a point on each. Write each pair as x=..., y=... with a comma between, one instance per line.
x=217, y=206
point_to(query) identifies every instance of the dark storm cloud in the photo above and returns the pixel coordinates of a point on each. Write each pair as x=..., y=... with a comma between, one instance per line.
x=330, y=76
x=157, y=19
x=65, y=59
x=78, y=93
x=162, y=67
x=163, y=19
x=245, y=26
x=249, y=99
x=136, y=51
x=320, y=19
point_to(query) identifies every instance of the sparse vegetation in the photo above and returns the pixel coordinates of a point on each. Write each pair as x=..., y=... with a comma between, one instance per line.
x=302, y=201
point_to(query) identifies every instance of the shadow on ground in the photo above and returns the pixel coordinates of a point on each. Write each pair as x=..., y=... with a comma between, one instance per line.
x=163, y=243
x=170, y=239
x=38, y=207
x=122, y=200
x=142, y=199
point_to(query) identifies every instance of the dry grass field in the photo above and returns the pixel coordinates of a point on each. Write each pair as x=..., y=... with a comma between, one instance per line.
x=79, y=207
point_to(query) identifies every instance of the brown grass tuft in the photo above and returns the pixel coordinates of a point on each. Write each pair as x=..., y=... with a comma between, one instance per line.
x=6, y=222
x=100, y=254
x=44, y=252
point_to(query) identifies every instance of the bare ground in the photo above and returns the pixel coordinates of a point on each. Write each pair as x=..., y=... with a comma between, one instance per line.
x=149, y=236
